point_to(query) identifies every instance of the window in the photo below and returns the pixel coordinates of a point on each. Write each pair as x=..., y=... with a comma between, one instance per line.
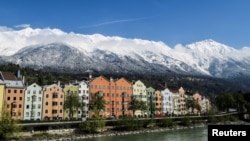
x=15, y=91
x=14, y=98
x=47, y=103
x=28, y=92
x=34, y=98
x=61, y=96
x=39, y=99
x=46, y=111
x=54, y=103
x=39, y=106
x=55, y=95
x=27, y=114
x=20, y=98
x=27, y=106
x=20, y=106
x=33, y=106
x=34, y=91
x=61, y=103
x=47, y=95
x=21, y=91
x=8, y=106
x=9, y=91
x=54, y=111
x=28, y=98
x=8, y=98
x=14, y=105
x=38, y=114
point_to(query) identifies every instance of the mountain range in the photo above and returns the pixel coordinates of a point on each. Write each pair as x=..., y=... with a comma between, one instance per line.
x=53, y=49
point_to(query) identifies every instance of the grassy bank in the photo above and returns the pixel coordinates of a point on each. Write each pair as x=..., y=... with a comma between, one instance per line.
x=123, y=126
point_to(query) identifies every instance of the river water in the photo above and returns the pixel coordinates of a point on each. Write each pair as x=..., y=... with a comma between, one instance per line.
x=192, y=134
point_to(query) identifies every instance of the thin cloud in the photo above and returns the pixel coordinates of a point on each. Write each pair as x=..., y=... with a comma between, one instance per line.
x=5, y=28
x=22, y=26
x=114, y=22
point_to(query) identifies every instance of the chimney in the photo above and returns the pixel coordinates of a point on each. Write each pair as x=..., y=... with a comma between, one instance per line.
x=90, y=75
x=59, y=84
x=23, y=79
x=18, y=74
x=111, y=79
x=165, y=85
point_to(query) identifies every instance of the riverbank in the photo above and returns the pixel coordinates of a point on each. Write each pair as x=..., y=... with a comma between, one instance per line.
x=70, y=134
x=67, y=135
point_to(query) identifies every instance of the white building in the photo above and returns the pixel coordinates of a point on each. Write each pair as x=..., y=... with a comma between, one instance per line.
x=167, y=102
x=33, y=102
x=84, y=97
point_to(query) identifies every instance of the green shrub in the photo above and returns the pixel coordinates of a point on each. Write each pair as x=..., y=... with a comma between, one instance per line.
x=165, y=122
x=186, y=121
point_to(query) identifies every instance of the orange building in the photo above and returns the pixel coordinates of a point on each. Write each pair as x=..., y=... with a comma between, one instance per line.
x=14, y=94
x=198, y=98
x=116, y=93
x=158, y=103
x=182, y=101
x=53, y=100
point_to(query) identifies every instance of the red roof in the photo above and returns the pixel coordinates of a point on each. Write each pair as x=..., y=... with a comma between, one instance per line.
x=8, y=76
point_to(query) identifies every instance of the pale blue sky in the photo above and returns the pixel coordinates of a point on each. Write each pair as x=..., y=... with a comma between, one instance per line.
x=169, y=21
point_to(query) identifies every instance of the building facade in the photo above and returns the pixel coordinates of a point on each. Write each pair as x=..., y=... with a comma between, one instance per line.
x=83, y=91
x=198, y=98
x=124, y=90
x=167, y=102
x=33, y=102
x=14, y=94
x=139, y=92
x=158, y=103
x=2, y=96
x=151, y=101
x=71, y=91
x=116, y=94
x=53, y=101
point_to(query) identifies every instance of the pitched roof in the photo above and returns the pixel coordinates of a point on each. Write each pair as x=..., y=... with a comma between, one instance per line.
x=8, y=76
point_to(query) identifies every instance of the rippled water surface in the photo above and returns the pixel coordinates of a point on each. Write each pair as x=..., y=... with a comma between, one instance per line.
x=195, y=134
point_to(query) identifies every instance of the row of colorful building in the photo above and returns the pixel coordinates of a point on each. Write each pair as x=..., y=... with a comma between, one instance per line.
x=35, y=102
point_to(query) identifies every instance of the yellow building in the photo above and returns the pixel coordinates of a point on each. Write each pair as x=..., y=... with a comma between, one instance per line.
x=71, y=90
x=139, y=92
x=2, y=95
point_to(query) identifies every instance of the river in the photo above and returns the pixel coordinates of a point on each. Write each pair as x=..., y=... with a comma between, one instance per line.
x=192, y=134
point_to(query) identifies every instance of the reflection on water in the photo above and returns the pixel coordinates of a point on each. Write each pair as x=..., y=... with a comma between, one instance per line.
x=197, y=134
x=192, y=134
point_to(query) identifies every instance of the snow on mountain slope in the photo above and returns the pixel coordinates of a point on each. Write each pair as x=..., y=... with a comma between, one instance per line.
x=54, y=48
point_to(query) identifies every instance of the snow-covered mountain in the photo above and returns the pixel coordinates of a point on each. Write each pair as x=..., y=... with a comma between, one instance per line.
x=55, y=49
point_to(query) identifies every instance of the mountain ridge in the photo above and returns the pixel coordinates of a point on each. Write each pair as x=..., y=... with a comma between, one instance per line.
x=70, y=52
